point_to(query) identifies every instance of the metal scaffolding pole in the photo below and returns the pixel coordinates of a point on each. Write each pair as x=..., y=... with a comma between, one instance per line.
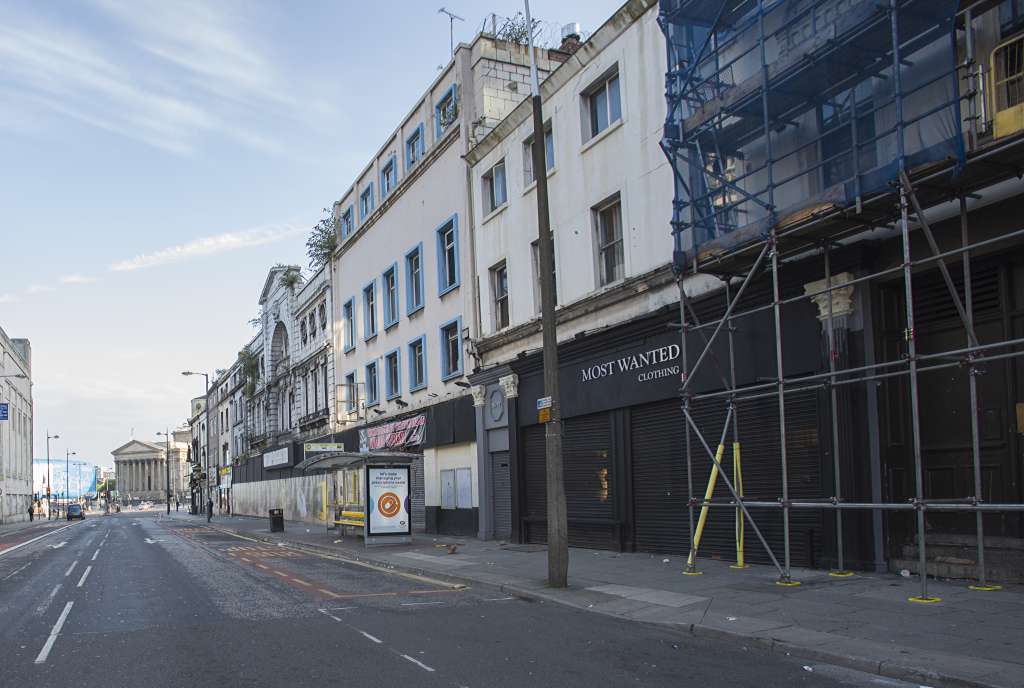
x=785, y=578
x=833, y=354
x=736, y=470
x=691, y=565
x=972, y=381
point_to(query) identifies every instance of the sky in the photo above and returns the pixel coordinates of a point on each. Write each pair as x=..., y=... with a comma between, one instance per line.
x=160, y=156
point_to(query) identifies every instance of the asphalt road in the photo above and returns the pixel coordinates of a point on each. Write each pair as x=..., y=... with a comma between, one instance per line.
x=142, y=600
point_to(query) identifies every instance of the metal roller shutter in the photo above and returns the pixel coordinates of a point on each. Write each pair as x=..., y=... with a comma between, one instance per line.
x=502, y=494
x=419, y=511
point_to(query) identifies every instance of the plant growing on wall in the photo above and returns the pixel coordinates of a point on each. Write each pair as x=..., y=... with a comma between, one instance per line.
x=249, y=363
x=322, y=241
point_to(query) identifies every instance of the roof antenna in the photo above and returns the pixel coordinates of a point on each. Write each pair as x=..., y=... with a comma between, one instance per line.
x=451, y=27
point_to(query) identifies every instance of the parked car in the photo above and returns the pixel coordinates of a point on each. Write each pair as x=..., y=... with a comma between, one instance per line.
x=76, y=511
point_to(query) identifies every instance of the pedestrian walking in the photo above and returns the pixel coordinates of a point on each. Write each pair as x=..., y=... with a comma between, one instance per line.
x=209, y=509
x=31, y=512
x=177, y=505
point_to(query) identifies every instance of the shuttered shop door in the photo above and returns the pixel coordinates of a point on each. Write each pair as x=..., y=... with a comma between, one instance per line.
x=502, y=492
x=419, y=512
x=589, y=482
x=659, y=476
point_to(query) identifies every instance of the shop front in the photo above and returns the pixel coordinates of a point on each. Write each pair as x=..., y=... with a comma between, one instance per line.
x=624, y=439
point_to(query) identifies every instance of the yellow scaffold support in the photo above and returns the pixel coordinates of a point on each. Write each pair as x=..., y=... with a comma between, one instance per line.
x=712, y=479
x=737, y=479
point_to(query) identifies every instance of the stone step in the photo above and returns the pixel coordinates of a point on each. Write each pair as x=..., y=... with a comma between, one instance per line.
x=961, y=570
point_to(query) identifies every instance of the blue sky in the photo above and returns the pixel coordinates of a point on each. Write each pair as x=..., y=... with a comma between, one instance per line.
x=159, y=157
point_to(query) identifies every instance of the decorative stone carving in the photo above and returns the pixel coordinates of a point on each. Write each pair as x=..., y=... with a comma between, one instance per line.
x=509, y=385
x=842, y=297
x=479, y=395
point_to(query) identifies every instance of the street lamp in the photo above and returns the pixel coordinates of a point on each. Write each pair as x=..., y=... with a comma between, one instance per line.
x=167, y=464
x=48, y=438
x=206, y=377
x=67, y=476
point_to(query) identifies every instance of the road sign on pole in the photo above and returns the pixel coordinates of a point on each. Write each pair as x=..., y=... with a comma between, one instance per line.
x=4, y=411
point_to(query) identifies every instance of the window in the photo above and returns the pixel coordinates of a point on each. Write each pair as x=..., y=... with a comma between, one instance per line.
x=549, y=155
x=371, y=384
x=322, y=310
x=1011, y=16
x=608, y=220
x=445, y=112
x=370, y=310
x=448, y=256
x=535, y=253
x=388, y=177
x=389, y=292
x=414, y=280
x=316, y=390
x=837, y=142
x=348, y=317
x=312, y=326
x=302, y=333
x=494, y=192
x=602, y=105
x=414, y=148
x=451, y=349
x=418, y=364
x=499, y=294
x=327, y=396
x=305, y=393
x=351, y=392
x=347, y=223
x=366, y=203
x=392, y=375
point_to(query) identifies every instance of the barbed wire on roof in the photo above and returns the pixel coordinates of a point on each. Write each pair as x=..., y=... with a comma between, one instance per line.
x=546, y=34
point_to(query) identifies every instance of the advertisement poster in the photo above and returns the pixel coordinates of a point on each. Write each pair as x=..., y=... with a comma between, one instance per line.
x=398, y=434
x=387, y=500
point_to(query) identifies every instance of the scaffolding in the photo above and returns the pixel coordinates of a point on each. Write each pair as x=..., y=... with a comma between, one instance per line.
x=795, y=128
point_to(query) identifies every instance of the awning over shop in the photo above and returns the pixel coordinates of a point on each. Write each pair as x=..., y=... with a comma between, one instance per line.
x=336, y=460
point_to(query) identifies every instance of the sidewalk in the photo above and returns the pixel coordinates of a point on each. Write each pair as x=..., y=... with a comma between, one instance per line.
x=969, y=639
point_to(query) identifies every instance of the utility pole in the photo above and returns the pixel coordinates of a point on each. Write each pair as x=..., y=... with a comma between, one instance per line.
x=167, y=464
x=67, y=478
x=558, y=527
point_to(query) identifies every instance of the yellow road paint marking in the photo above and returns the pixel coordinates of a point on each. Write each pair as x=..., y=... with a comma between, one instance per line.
x=302, y=582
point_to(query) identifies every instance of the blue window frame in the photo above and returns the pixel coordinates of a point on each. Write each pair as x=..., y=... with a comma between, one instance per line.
x=445, y=111
x=414, y=147
x=370, y=310
x=393, y=374
x=451, y=349
x=389, y=295
x=347, y=223
x=448, y=255
x=418, y=363
x=372, y=388
x=414, y=279
x=388, y=177
x=348, y=319
x=366, y=202
x=351, y=392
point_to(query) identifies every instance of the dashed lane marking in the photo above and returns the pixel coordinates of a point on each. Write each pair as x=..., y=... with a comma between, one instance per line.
x=54, y=632
x=39, y=537
x=370, y=637
x=95, y=554
x=263, y=566
x=71, y=568
x=85, y=575
x=16, y=571
x=41, y=609
x=302, y=582
x=419, y=663
x=419, y=604
x=498, y=599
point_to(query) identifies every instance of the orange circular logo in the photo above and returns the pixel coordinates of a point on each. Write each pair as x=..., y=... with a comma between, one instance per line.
x=389, y=504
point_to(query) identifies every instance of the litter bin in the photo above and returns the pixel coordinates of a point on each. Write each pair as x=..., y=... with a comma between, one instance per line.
x=277, y=520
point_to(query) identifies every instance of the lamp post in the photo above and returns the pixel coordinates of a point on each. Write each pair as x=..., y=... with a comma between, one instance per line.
x=67, y=477
x=206, y=487
x=49, y=437
x=167, y=464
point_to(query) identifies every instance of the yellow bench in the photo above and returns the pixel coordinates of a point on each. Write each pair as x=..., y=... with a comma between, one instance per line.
x=351, y=518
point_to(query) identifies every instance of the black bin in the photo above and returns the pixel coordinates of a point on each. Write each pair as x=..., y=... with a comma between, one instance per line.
x=277, y=520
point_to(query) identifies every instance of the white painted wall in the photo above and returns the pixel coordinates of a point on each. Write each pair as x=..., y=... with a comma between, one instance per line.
x=300, y=497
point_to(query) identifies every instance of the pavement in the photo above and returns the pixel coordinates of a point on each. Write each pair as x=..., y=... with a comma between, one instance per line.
x=143, y=599
x=865, y=622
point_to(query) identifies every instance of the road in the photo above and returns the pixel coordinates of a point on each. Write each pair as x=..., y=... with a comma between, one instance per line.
x=146, y=600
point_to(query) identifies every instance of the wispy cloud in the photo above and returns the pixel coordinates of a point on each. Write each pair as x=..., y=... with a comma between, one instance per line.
x=77, y=278
x=8, y=298
x=210, y=245
x=38, y=289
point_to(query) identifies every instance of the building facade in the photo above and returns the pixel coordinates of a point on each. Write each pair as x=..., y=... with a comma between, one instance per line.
x=15, y=428
x=404, y=293
x=142, y=469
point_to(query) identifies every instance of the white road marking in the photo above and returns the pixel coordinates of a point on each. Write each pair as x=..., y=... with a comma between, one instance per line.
x=29, y=542
x=418, y=663
x=15, y=572
x=150, y=541
x=45, y=652
x=95, y=554
x=84, y=576
x=46, y=603
x=71, y=568
x=370, y=637
x=419, y=604
x=498, y=599
x=340, y=609
x=57, y=546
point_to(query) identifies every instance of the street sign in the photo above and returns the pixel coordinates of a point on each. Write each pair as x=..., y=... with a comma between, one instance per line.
x=322, y=447
x=544, y=403
x=544, y=415
x=4, y=411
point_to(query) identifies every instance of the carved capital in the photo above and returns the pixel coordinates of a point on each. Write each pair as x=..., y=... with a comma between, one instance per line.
x=509, y=385
x=479, y=395
x=841, y=297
